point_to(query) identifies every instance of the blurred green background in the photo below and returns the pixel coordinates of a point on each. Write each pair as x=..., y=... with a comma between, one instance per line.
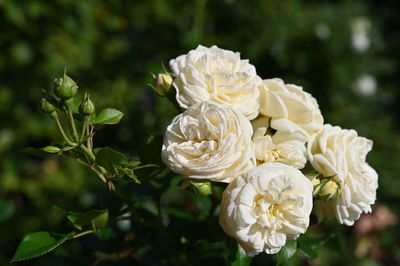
x=346, y=53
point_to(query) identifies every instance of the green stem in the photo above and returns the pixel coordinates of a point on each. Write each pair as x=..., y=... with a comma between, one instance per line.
x=55, y=117
x=84, y=126
x=93, y=168
x=89, y=141
x=89, y=152
x=83, y=233
x=72, y=122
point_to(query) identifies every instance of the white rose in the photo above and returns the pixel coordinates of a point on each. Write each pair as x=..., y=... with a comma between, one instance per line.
x=216, y=75
x=209, y=141
x=290, y=108
x=267, y=206
x=335, y=151
x=340, y=154
x=284, y=147
x=356, y=196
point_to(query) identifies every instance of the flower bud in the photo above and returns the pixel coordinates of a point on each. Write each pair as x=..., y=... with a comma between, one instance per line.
x=65, y=88
x=315, y=181
x=328, y=190
x=46, y=106
x=202, y=188
x=86, y=108
x=162, y=83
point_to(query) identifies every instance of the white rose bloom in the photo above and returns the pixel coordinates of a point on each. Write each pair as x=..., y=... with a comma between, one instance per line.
x=209, y=141
x=340, y=154
x=284, y=147
x=290, y=108
x=267, y=206
x=216, y=75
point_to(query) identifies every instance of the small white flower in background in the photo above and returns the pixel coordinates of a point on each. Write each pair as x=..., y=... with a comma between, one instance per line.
x=287, y=148
x=360, y=29
x=365, y=85
x=267, y=206
x=341, y=154
x=209, y=141
x=291, y=108
x=216, y=75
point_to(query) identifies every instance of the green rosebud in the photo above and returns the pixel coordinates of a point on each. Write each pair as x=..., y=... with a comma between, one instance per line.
x=86, y=107
x=46, y=106
x=57, y=83
x=327, y=190
x=315, y=181
x=162, y=83
x=65, y=87
x=201, y=188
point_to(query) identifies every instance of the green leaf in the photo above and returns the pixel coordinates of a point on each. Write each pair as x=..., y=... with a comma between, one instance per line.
x=287, y=251
x=130, y=174
x=312, y=175
x=108, y=116
x=179, y=212
x=136, y=164
x=106, y=233
x=109, y=158
x=127, y=169
x=73, y=217
x=97, y=219
x=37, y=244
x=241, y=259
x=51, y=149
x=308, y=246
x=77, y=154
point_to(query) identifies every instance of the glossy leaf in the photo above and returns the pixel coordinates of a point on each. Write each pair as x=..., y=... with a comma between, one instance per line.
x=130, y=174
x=309, y=246
x=108, y=116
x=71, y=215
x=287, y=251
x=241, y=259
x=96, y=219
x=109, y=158
x=37, y=244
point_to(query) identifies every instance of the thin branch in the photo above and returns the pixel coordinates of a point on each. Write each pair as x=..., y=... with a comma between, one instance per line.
x=62, y=131
x=93, y=168
x=82, y=234
x=72, y=122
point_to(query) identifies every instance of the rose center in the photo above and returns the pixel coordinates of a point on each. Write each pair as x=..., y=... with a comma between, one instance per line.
x=273, y=209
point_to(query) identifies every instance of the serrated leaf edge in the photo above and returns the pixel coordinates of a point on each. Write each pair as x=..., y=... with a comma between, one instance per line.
x=66, y=237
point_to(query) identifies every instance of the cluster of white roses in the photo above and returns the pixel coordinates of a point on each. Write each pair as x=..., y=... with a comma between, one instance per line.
x=255, y=135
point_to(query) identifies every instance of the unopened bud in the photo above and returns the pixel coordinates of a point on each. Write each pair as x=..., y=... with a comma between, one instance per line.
x=329, y=190
x=316, y=182
x=46, y=106
x=65, y=87
x=86, y=107
x=162, y=83
x=202, y=188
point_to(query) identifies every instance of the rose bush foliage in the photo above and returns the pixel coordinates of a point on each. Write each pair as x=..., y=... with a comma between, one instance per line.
x=249, y=136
